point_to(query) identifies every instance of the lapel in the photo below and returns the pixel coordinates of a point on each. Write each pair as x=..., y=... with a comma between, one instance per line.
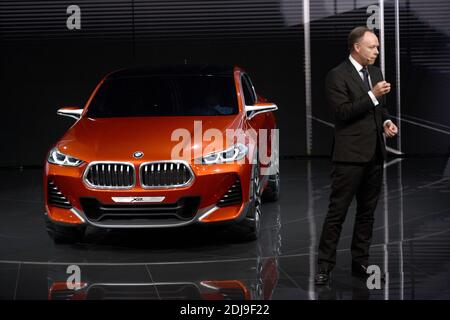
x=374, y=76
x=354, y=75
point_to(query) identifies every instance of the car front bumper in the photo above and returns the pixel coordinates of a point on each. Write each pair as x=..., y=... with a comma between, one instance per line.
x=210, y=185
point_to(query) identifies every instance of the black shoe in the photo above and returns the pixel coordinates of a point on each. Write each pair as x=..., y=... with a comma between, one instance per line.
x=322, y=277
x=326, y=292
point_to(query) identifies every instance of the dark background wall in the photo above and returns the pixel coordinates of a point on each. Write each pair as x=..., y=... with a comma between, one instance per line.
x=424, y=77
x=43, y=65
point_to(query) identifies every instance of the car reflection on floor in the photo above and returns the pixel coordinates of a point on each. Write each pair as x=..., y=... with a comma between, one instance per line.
x=249, y=278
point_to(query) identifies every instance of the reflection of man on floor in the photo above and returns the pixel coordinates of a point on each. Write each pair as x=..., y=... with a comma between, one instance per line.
x=356, y=93
x=357, y=286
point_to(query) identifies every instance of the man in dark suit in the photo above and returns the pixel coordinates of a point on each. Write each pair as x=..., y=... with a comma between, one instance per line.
x=356, y=93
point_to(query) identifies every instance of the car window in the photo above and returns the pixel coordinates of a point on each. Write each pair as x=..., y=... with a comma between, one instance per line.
x=165, y=96
x=207, y=95
x=249, y=94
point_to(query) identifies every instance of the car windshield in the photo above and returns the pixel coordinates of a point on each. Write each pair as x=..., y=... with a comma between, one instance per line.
x=165, y=96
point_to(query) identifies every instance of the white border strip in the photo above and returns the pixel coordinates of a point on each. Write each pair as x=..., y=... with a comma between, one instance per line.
x=308, y=95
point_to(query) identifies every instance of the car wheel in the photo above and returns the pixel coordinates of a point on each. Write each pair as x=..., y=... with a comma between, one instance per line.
x=272, y=191
x=62, y=234
x=250, y=227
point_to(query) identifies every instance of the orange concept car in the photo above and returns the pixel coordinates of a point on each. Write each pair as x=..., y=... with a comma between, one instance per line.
x=164, y=147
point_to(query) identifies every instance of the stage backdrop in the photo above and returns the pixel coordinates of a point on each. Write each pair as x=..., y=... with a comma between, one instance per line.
x=54, y=52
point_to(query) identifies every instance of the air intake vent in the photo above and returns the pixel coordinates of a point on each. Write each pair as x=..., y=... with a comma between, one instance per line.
x=169, y=174
x=55, y=197
x=110, y=175
x=233, y=195
x=182, y=210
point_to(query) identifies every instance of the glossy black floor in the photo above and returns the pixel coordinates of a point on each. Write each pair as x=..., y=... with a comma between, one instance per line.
x=411, y=244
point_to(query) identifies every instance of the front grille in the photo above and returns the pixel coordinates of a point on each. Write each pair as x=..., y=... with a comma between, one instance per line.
x=110, y=175
x=233, y=195
x=165, y=174
x=182, y=210
x=55, y=197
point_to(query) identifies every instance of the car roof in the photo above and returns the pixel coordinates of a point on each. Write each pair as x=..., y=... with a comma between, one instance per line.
x=171, y=70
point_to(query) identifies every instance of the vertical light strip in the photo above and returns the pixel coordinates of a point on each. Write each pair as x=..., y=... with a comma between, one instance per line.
x=399, y=143
x=312, y=224
x=381, y=18
x=307, y=43
x=397, y=72
x=312, y=234
x=382, y=48
x=402, y=274
x=386, y=234
x=386, y=210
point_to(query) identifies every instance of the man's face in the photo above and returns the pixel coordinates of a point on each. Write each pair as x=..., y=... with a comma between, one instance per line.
x=367, y=48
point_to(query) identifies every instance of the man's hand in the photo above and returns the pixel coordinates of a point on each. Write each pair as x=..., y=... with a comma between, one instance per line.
x=381, y=88
x=390, y=129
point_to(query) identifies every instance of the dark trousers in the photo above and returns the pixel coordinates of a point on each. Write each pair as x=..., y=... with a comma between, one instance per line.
x=349, y=180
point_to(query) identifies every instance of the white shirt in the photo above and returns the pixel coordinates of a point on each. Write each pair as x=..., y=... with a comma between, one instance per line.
x=359, y=68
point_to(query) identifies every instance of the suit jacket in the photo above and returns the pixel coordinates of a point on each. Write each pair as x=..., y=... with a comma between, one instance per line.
x=358, y=123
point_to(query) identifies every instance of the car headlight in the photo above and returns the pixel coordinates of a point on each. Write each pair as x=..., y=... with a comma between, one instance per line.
x=56, y=157
x=234, y=153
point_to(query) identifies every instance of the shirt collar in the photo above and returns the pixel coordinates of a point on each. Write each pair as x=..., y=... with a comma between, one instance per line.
x=355, y=63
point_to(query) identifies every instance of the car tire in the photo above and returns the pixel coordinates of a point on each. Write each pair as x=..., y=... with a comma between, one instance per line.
x=63, y=234
x=250, y=228
x=272, y=191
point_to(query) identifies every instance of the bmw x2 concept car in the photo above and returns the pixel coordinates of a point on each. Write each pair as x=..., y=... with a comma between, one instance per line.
x=164, y=147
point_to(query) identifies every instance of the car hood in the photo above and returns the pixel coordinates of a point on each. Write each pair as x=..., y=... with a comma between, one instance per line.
x=119, y=138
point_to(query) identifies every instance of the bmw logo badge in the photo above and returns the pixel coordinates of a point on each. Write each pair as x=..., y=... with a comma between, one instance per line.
x=138, y=154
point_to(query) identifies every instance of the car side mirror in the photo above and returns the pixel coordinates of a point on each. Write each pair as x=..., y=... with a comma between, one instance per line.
x=72, y=112
x=258, y=108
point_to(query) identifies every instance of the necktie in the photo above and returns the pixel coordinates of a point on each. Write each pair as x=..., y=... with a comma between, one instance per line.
x=366, y=82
